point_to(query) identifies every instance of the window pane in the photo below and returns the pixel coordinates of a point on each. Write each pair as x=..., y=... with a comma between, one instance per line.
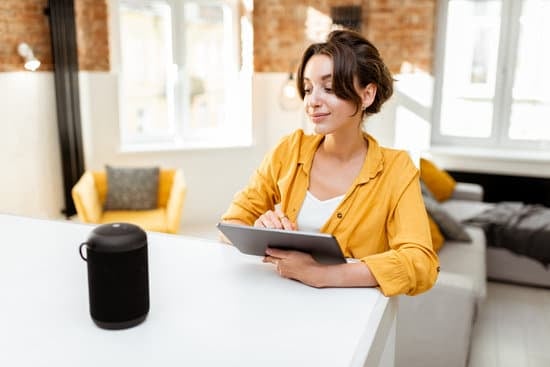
x=209, y=62
x=146, y=91
x=184, y=77
x=530, y=119
x=471, y=50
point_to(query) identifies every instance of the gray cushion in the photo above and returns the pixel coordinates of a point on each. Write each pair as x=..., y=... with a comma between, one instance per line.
x=425, y=191
x=462, y=210
x=450, y=227
x=131, y=188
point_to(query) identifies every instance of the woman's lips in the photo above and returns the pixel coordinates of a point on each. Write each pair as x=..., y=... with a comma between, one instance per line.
x=318, y=117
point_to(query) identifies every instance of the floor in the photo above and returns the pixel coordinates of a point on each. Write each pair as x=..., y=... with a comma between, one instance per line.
x=512, y=328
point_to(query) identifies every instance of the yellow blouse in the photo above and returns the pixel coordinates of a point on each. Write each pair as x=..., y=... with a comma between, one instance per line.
x=381, y=220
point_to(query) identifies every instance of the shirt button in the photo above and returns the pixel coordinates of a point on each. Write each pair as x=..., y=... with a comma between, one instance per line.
x=339, y=215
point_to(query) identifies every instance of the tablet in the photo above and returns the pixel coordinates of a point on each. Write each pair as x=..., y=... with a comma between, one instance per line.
x=253, y=241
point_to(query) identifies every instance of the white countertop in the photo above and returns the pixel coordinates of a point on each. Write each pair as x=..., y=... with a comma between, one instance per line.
x=210, y=306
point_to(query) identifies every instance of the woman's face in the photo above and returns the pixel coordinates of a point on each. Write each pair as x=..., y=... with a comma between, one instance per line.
x=327, y=112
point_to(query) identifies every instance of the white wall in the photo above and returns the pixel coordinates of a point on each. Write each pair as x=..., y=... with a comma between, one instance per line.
x=213, y=175
x=31, y=183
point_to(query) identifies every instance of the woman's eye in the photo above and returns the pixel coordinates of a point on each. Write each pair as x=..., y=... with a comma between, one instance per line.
x=307, y=91
x=328, y=89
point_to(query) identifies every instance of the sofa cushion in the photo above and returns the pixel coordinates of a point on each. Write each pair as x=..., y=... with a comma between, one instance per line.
x=450, y=227
x=149, y=220
x=131, y=188
x=467, y=259
x=503, y=264
x=468, y=191
x=462, y=210
x=439, y=182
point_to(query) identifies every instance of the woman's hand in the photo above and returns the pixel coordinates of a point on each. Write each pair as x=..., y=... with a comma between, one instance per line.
x=296, y=265
x=275, y=219
x=302, y=267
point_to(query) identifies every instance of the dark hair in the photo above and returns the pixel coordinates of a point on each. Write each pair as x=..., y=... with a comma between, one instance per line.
x=352, y=56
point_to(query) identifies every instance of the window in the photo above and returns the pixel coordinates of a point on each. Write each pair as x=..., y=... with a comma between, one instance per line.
x=185, y=78
x=492, y=74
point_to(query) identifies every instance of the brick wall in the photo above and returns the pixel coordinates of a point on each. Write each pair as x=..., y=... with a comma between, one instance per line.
x=92, y=34
x=403, y=30
x=24, y=21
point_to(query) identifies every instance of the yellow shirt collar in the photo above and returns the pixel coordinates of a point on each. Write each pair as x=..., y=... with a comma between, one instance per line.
x=374, y=162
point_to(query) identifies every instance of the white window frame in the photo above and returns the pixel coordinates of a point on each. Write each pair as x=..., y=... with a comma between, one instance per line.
x=177, y=138
x=506, y=66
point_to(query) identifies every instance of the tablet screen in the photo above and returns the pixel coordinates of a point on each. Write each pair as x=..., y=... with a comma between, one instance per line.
x=254, y=240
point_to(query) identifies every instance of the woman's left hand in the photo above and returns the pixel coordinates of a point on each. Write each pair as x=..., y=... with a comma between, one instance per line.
x=296, y=265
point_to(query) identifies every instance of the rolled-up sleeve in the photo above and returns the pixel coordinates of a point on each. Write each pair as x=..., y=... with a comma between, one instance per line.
x=410, y=266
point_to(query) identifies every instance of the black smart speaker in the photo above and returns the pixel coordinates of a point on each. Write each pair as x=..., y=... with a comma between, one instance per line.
x=118, y=277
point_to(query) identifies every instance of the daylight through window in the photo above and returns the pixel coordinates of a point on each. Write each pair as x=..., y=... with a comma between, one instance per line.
x=184, y=80
x=493, y=76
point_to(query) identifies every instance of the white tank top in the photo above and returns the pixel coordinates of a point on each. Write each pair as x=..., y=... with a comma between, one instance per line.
x=314, y=212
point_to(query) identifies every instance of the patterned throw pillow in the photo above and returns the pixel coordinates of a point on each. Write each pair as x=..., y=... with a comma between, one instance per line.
x=131, y=188
x=450, y=227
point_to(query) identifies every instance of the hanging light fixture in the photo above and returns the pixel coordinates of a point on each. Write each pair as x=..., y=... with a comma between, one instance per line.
x=288, y=95
x=31, y=62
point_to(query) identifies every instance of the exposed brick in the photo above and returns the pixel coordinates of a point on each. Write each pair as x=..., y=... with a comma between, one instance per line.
x=24, y=21
x=92, y=35
x=403, y=30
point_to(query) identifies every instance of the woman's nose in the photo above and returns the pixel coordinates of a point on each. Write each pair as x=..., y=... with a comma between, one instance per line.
x=313, y=99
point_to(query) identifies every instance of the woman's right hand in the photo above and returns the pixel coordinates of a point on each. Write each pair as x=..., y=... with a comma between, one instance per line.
x=275, y=219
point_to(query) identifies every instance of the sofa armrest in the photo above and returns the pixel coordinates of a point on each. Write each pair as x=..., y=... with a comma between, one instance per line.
x=434, y=328
x=174, y=205
x=86, y=199
x=468, y=191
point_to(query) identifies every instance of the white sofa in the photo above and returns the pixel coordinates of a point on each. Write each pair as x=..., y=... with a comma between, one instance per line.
x=504, y=265
x=434, y=329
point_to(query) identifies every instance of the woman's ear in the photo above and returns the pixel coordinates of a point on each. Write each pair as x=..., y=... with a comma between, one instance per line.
x=367, y=95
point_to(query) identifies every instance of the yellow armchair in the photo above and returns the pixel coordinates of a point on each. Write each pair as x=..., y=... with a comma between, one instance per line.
x=90, y=192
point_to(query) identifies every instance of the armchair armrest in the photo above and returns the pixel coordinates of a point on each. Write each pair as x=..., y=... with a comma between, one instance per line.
x=86, y=199
x=174, y=205
x=468, y=191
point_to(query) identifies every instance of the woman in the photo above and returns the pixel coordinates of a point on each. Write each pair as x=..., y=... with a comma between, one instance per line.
x=340, y=180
